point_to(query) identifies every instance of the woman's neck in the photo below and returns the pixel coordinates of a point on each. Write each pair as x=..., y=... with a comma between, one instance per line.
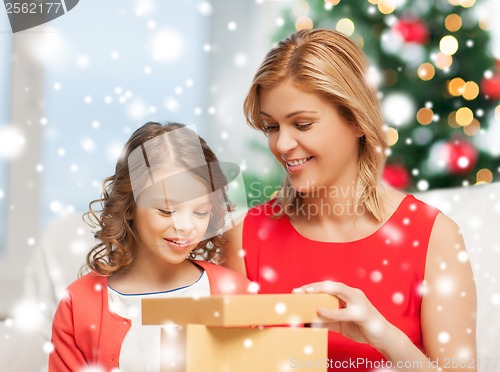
x=341, y=225
x=336, y=203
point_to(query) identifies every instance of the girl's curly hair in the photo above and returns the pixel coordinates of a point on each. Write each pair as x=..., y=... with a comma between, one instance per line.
x=114, y=217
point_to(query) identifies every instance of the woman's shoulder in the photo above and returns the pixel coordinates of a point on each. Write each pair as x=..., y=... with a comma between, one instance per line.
x=395, y=200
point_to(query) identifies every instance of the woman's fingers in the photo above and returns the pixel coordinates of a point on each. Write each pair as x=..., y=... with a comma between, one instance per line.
x=332, y=315
x=342, y=291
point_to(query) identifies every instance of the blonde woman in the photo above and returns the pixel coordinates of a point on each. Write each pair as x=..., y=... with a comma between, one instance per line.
x=398, y=266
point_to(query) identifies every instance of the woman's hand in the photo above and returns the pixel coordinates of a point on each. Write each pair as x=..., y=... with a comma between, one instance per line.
x=356, y=318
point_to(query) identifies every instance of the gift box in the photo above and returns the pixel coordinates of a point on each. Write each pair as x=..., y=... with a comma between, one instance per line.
x=237, y=310
x=234, y=333
x=194, y=348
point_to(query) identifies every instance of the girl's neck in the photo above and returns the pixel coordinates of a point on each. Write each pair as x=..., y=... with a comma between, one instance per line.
x=142, y=277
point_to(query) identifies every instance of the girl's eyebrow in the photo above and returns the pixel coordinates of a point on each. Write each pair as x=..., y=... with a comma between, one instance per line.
x=292, y=113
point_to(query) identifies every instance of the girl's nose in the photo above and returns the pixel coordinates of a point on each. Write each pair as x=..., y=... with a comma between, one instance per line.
x=183, y=221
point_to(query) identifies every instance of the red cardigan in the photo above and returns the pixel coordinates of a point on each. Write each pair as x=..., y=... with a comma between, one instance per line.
x=86, y=333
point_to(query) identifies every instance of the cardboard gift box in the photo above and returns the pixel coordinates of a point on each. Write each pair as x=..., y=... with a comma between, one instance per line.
x=194, y=348
x=226, y=333
x=237, y=310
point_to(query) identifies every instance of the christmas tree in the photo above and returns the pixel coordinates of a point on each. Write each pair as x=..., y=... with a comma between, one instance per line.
x=438, y=83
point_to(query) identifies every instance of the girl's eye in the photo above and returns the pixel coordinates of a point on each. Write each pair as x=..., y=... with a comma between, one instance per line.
x=202, y=214
x=166, y=213
x=301, y=126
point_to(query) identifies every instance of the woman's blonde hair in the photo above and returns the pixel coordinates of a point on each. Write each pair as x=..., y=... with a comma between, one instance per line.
x=328, y=63
x=114, y=220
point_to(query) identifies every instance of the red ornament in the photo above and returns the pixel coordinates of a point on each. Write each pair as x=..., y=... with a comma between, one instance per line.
x=397, y=176
x=461, y=156
x=412, y=30
x=491, y=87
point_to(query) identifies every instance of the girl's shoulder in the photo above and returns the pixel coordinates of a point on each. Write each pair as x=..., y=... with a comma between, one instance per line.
x=88, y=283
x=214, y=269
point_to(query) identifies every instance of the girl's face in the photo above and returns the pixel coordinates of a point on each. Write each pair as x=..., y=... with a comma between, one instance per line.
x=315, y=145
x=168, y=226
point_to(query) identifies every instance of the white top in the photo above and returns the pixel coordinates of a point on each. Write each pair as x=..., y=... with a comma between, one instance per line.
x=140, y=349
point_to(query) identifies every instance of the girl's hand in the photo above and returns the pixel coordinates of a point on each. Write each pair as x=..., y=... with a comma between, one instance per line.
x=356, y=318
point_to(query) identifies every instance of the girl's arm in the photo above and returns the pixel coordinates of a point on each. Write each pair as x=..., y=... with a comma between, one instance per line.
x=66, y=355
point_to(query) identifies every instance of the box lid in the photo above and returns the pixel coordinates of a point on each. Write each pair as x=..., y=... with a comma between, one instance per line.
x=237, y=310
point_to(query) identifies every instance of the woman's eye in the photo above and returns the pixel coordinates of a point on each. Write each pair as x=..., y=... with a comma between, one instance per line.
x=303, y=126
x=269, y=128
x=165, y=212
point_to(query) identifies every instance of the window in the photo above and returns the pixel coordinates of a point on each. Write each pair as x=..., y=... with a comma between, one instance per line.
x=140, y=61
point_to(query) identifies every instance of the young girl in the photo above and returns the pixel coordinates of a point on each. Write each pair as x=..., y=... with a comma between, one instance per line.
x=164, y=206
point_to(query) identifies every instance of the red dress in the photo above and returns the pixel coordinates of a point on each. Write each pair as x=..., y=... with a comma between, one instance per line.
x=388, y=266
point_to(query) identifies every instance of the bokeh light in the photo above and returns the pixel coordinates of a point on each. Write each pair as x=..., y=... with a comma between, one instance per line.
x=443, y=61
x=452, y=120
x=398, y=108
x=466, y=3
x=12, y=142
x=392, y=136
x=471, y=90
x=386, y=6
x=464, y=116
x=484, y=176
x=167, y=46
x=346, y=26
x=473, y=128
x=426, y=71
x=453, y=22
x=425, y=116
x=456, y=86
x=303, y=23
x=448, y=45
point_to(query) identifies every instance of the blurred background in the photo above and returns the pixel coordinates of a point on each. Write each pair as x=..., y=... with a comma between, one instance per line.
x=73, y=90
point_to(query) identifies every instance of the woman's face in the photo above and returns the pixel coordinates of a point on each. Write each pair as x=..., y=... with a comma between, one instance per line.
x=315, y=145
x=170, y=227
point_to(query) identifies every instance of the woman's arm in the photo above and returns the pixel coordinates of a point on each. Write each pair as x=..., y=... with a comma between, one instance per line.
x=448, y=310
x=232, y=251
x=449, y=303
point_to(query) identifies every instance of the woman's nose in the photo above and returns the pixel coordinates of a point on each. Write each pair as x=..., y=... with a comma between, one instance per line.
x=285, y=141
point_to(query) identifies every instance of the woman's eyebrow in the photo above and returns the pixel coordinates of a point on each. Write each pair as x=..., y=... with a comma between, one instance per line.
x=292, y=113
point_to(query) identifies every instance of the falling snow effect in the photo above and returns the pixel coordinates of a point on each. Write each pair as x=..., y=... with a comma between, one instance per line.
x=110, y=108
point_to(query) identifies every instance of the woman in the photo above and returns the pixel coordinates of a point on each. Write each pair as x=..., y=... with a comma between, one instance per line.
x=398, y=266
